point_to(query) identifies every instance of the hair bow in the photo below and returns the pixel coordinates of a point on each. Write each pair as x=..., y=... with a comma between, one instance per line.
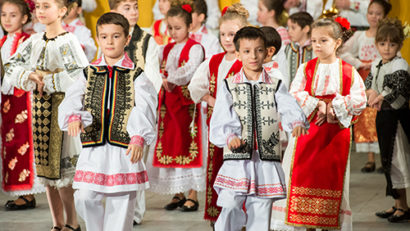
x=187, y=8
x=343, y=22
x=224, y=10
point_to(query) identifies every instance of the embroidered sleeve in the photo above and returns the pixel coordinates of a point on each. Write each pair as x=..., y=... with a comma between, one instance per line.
x=151, y=68
x=396, y=88
x=199, y=85
x=368, y=81
x=350, y=51
x=138, y=140
x=225, y=123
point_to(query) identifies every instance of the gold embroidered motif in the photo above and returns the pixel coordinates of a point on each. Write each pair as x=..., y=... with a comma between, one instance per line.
x=12, y=163
x=23, y=149
x=6, y=178
x=23, y=175
x=212, y=84
x=185, y=91
x=317, y=192
x=212, y=211
x=21, y=117
x=10, y=135
x=313, y=219
x=6, y=106
x=314, y=205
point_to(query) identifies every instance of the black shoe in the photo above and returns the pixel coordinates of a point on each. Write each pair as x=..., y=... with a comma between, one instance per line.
x=134, y=223
x=192, y=208
x=11, y=205
x=384, y=214
x=394, y=218
x=369, y=167
x=70, y=227
x=380, y=170
x=56, y=228
x=174, y=205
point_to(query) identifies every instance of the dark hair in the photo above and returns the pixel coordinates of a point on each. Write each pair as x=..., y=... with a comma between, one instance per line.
x=116, y=19
x=177, y=10
x=248, y=32
x=302, y=19
x=337, y=31
x=390, y=29
x=114, y=3
x=277, y=6
x=200, y=7
x=384, y=4
x=22, y=5
x=272, y=38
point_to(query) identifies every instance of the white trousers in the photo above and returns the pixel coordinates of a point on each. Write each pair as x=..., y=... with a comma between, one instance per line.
x=233, y=218
x=116, y=215
x=139, y=210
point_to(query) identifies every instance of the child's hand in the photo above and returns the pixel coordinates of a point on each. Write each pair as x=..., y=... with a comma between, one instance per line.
x=235, y=143
x=377, y=102
x=371, y=95
x=75, y=127
x=321, y=113
x=365, y=66
x=299, y=131
x=209, y=100
x=167, y=85
x=135, y=151
x=38, y=79
x=330, y=114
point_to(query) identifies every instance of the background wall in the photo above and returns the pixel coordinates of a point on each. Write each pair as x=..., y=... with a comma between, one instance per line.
x=401, y=10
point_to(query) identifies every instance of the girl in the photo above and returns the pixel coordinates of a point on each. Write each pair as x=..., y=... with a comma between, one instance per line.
x=269, y=14
x=389, y=91
x=20, y=178
x=330, y=93
x=203, y=88
x=159, y=28
x=360, y=50
x=178, y=155
x=48, y=64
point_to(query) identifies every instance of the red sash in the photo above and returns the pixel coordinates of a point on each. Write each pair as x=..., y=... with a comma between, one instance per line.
x=215, y=154
x=319, y=164
x=161, y=39
x=17, y=135
x=178, y=145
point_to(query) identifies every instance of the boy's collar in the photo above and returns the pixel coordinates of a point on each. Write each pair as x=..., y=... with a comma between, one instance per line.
x=241, y=78
x=125, y=62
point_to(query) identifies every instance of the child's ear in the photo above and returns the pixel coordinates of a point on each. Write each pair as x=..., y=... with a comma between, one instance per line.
x=237, y=55
x=306, y=29
x=202, y=17
x=128, y=40
x=270, y=51
x=24, y=19
x=79, y=10
x=338, y=43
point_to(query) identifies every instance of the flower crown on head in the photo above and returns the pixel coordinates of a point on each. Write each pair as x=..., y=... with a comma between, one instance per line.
x=31, y=5
x=187, y=8
x=343, y=22
x=406, y=30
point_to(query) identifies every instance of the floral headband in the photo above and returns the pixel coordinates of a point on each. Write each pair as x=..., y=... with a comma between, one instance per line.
x=31, y=5
x=187, y=8
x=343, y=22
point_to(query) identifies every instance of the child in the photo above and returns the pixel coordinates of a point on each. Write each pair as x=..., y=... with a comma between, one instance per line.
x=199, y=31
x=48, y=63
x=330, y=92
x=353, y=10
x=269, y=14
x=73, y=24
x=312, y=7
x=159, y=28
x=208, y=78
x=251, y=174
x=20, y=178
x=177, y=160
x=360, y=50
x=300, y=49
x=389, y=92
x=110, y=165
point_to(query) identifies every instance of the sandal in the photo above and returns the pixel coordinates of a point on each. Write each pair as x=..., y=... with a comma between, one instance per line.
x=191, y=208
x=384, y=214
x=174, y=205
x=55, y=227
x=12, y=206
x=369, y=167
x=405, y=216
x=70, y=227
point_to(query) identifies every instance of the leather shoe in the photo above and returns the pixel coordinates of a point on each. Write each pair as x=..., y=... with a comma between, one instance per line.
x=192, y=208
x=384, y=214
x=369, y=167
x=174, y=205
x=405, y=216
x=11, y=205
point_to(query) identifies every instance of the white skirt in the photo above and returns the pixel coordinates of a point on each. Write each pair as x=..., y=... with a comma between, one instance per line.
x=255, y=177
x=108, y=169
x=279, y=206
x=400, y=169
x=368, y=147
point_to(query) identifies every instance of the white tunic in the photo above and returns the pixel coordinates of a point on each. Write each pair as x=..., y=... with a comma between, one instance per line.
x=107, y=168
x=84, y=36
x=209, y=41
x=356, y=14
x=359, y=47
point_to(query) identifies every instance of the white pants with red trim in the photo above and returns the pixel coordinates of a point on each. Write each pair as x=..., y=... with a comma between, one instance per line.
x=233, y=217
x=117, y=214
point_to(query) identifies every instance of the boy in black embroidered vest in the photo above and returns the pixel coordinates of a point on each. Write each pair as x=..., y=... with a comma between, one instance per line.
x=142, y=48
x=113, y=105
x=245, y=122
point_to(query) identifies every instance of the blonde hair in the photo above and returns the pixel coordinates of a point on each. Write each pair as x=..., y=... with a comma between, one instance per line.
x=236, y=11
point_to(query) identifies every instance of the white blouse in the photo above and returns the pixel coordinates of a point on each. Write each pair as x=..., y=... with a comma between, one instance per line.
x=209, y=41
x=359, y=47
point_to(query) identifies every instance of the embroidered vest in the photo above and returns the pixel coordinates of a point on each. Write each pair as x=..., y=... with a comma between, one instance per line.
x=137, y=49
x=256, y=108
x=295, y=58
x=108, y=125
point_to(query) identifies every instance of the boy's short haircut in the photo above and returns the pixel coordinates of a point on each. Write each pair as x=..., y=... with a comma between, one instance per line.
x=272, y=38
x=200, y=7
x=114, y=3
x=302, y=19
x=116, y=19
x=248, y=32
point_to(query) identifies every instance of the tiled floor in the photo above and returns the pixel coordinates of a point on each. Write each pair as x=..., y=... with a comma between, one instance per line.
x=366, y=197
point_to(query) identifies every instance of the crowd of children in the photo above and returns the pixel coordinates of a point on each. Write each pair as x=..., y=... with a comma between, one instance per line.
x=260, y=118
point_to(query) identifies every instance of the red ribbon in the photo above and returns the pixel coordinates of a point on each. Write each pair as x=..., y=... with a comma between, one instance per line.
x=187, y=8
x=224, y=10
x=343, y=22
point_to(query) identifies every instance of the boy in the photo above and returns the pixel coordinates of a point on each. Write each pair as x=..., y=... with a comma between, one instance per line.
x=142, y=49
x=245, y=124
x=113, y=105
x=300, y=49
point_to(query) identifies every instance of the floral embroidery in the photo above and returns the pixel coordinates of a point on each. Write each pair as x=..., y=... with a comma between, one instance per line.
x=111, y=180
x=6, y=106
x=10, y=135
x=21, y=117
x=23, y=175
x=12, y=163
x=23, y=149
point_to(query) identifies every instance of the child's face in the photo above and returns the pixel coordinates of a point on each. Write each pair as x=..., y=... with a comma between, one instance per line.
x=296, y=32
x=197, y=20
x=129, y=9
x=48, y=11
x=227, y=31
x=252, y=53
x=387, y=50
x=112, y=40
x=263, y=13
x=375, y=13
x=11, y=18
x=164, y=6
x=177, y=29
x=323, y=44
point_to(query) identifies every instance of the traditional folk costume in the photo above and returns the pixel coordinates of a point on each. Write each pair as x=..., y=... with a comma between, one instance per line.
x=177, y=163
x=207, y=79
x=284, y=35
x=313, y=7
x=296, y=55
x=357, y=50
x=251, y=174
x=17, y=159
x=117, y=106
x=160, y=32
x=356, y=14
x=392, y=80
x=83, y=34
x=209, y=41
x=58, y=60
x=318, y=183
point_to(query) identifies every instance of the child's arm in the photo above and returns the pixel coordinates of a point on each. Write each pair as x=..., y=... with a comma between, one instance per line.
x=199, y=85
x=225, y=126
x=151, y=67
x=350, y=52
